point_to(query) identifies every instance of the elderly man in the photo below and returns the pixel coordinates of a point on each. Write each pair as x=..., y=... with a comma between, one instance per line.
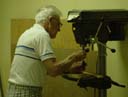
x=34, y=56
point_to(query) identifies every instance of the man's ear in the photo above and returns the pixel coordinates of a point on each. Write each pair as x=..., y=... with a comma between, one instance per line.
x=50, y=18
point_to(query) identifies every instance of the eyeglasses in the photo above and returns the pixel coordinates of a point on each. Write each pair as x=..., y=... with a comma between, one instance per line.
x=60, y=24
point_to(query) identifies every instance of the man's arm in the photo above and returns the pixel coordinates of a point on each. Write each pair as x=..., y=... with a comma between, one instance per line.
x=55, y=67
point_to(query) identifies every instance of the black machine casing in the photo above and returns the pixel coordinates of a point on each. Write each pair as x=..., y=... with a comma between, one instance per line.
x=86, y=23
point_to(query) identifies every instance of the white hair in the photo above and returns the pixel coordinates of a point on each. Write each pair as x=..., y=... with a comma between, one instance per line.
x=44, y=13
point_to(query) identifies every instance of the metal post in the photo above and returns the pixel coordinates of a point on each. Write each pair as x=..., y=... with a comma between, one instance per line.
x=101, y=67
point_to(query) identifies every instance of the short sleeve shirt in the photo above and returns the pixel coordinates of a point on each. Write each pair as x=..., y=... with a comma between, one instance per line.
x=33, y=47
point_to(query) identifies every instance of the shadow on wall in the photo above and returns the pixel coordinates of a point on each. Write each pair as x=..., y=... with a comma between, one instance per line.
x=123, y=49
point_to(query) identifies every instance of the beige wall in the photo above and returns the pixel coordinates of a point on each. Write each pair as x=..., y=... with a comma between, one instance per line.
x=117, y=64
x=67, y=5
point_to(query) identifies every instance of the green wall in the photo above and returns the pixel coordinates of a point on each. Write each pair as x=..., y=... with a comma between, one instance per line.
x=117, y=64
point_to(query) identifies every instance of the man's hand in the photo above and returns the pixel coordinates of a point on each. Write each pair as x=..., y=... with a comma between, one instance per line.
x=78, y=67
x=77, y=56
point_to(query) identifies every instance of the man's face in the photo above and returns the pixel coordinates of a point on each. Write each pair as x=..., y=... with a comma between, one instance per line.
x=54, y=27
